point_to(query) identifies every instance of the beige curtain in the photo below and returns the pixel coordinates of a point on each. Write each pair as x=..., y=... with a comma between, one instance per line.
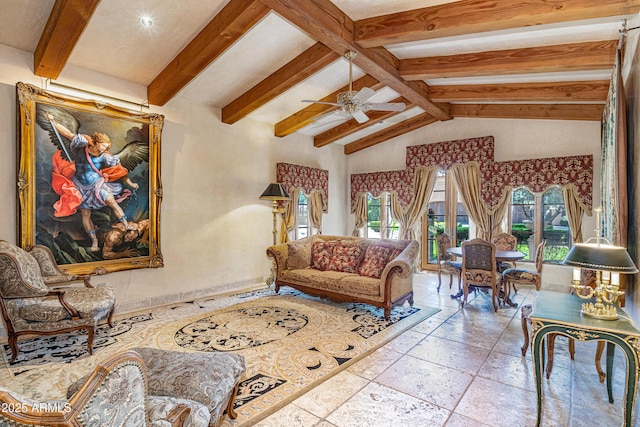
x=288, y=221
x=500, y=211
x=467, y=178
x=316, y=208
x=360, y=211
x=424, y=179
x=575, y=211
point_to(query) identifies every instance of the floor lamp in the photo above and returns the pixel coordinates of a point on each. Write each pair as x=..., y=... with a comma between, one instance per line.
x=274, y=192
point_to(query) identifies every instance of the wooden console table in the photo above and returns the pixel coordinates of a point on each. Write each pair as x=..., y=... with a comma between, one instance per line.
x=559, y=313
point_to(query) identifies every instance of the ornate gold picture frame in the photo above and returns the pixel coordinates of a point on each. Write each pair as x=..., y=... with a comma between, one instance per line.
x=89, y=183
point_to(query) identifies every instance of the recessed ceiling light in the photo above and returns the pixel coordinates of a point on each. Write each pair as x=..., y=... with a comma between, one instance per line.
x=146, y=21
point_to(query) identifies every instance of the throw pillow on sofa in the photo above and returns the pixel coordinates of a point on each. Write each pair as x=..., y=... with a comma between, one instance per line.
x=375, y=259
x=346, y=258
x=321, y=253
x=300, y=253
x=394, y=253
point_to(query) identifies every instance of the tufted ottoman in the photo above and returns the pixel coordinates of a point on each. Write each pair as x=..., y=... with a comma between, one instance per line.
x=209, y=378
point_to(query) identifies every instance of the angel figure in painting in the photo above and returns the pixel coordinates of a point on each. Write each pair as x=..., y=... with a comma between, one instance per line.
x=85, y=174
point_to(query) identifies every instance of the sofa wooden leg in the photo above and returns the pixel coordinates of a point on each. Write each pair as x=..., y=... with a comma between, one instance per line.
x=231, y=413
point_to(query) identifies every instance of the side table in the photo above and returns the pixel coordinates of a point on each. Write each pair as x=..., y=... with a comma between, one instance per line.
x=559, y=313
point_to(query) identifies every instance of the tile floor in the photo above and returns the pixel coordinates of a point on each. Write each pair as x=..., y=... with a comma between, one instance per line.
x=460, y=368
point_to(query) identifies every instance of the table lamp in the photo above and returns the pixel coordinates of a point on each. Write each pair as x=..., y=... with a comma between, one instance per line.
x=275, y=192
x=609, y=262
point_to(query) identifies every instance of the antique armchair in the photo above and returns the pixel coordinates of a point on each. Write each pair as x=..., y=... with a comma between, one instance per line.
x=479, y=269
x=446, y=264
x=30, y=307
x=51, y=273
x=115, y=394
x=212, y=378
x=505, y=242
x=523, y=276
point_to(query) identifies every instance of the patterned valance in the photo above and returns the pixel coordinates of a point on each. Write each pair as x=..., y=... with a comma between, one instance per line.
x=535, y=174
x=304, y=178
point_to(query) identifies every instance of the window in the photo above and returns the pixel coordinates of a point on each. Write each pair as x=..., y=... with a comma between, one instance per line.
x=302, y=228
x=445, y=214
x=537, y=217
x=380, y=223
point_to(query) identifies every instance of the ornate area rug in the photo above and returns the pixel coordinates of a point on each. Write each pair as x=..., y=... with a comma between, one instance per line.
x=291, y=343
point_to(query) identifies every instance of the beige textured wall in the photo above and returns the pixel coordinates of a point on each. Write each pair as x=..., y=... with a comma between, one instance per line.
x=514, y=140
x=214, y=229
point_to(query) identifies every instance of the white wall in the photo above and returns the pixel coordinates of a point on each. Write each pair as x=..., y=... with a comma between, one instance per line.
x=214, y=229
x=514, y=140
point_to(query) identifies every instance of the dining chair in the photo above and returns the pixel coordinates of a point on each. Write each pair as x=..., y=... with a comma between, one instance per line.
x=479, y=269
x=505, y=242
x=523, y=276
x=446, y=264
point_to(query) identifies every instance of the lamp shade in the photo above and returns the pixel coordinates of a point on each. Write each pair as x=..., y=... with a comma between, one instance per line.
x=596, y=256
x=275, y=191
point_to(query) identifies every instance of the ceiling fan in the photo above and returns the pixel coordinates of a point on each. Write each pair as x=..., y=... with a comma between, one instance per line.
x=354, y=103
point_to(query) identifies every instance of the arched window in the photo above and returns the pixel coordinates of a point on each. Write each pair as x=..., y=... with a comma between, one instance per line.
x=534, y=217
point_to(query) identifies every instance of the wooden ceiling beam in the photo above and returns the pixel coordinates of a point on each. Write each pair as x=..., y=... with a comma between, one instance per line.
x=598, y=55
x=399, y=129
x=524, y=92
x=307, y=115
x=352, y=126
x=236, y=18
x=295, y=71
x=588, y=112
x=66, y=22
x=326, y=23
x=477, y=16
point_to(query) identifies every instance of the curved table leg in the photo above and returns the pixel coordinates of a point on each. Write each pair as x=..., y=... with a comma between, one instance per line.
x=525, y=311
x=599, y=351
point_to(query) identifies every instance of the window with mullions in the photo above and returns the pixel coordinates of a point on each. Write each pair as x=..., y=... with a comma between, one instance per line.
x=380, y=224
x=523, y=217
x=556, y=226
x=537, y=217
x=302, y=217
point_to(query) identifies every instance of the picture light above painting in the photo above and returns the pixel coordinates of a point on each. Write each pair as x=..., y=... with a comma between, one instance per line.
x=88, y=182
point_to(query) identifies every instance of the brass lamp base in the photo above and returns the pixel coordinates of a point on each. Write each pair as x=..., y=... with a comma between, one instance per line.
x=599, y=311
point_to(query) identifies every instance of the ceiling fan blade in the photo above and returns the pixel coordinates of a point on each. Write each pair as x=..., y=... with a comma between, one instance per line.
x=320, y=102
x=386, y=106
x=364, y=94
x=360, y=116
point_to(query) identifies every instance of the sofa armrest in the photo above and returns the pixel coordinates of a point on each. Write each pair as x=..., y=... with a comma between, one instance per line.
x=279, y=254
x=396, y=279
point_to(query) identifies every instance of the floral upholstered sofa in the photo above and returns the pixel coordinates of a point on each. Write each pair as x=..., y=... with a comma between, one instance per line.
x=373, y=271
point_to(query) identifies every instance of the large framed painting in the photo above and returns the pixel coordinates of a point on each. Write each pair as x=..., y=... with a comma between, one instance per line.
x=88, y=182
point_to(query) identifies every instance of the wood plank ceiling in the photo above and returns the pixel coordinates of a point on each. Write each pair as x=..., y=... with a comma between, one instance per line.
x=335, y=33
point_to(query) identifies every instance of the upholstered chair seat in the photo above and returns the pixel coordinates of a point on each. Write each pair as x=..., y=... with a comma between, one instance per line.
x=30, y=307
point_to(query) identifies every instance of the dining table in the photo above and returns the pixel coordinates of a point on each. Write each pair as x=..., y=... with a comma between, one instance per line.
x=501, y=256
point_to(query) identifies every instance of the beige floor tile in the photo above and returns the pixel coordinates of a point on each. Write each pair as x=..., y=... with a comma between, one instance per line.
x=501, y=405
x=290, y=416
x=518, y=372
x=380, y=406
x=325, y=398
x=457, y=329
x=437, y=384
x=457, y=420
x=405, y=342
x=374, y=364
x=452, y=354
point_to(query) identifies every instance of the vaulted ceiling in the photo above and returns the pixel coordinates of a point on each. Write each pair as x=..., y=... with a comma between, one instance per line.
x=548, y=59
